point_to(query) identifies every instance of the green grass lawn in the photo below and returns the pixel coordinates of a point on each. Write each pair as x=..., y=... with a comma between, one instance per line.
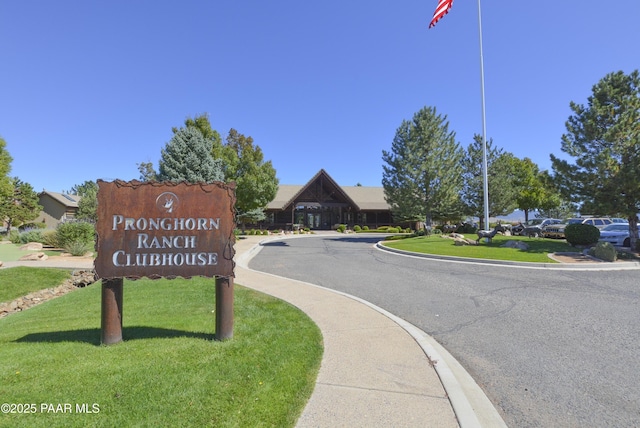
x=12, y=252
x=20, y=281
x=168, y=371
x=537, y=252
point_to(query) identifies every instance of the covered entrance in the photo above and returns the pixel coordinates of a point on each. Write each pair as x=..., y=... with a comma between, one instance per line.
x=315, y=215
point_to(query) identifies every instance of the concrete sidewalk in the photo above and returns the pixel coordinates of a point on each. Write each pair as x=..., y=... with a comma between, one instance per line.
x=377, y=370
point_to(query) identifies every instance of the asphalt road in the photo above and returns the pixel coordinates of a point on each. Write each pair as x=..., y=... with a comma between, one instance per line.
x=550, y=348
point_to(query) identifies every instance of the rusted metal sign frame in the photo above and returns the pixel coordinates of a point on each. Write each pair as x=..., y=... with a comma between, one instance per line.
x=166, y=230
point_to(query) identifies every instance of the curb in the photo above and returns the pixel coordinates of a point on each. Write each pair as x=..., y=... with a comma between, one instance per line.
x=603, y=266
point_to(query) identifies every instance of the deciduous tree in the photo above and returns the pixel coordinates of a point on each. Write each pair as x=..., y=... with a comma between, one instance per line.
x=534, y=189
x=256, y=181
x=603, y=138
x=243, y=162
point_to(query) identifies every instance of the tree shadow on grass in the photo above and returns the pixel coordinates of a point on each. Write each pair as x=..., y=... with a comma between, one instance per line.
x=92, y=335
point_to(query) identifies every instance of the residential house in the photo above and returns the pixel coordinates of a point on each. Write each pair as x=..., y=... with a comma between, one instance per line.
x=57, y=208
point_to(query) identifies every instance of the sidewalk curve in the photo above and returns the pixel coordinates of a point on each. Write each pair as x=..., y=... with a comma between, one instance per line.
x=377, y=369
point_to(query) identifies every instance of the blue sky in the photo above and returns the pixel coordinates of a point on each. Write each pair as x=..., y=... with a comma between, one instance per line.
x=88, y=89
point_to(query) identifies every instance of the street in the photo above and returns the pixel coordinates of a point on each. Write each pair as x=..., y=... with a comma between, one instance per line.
x=548, y=347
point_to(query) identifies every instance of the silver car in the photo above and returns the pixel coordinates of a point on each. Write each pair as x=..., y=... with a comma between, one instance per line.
x=616, y=234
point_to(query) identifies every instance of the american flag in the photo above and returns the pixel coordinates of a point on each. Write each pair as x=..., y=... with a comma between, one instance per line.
x=441, y=10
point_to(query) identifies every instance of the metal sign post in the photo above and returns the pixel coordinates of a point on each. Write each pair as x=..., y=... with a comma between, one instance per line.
x=111, y=320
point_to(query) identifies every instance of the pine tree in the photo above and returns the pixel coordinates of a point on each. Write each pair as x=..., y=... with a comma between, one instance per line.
x=187, y=157
x=603, y=137
x=501, y=170
x=88, y=204
x=21, y=206
x=422, y=175
x=6, y=186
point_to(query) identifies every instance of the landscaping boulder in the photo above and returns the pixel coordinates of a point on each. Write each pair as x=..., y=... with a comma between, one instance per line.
x=516, y=244
x=32, y=246
x=605, y=251
x=34, y=257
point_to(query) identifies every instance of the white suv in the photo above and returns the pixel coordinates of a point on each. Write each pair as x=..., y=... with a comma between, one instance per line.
x=557, y=230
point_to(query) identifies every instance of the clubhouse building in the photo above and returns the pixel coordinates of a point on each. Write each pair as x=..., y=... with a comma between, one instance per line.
x=322, y=204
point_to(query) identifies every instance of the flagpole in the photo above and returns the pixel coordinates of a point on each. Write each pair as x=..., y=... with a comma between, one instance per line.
x=484, y=129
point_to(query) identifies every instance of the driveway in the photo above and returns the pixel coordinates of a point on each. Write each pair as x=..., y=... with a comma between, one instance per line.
x=549, y=347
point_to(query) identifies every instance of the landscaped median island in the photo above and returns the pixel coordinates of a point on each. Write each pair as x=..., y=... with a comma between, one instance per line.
x=537, y=252
x=168, y=371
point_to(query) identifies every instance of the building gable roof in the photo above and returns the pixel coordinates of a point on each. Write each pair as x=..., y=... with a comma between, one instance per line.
x=360, y=197
x=65, y=199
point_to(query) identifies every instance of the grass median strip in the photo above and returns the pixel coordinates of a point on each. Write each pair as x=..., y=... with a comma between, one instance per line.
x=537, y=252
x=20, y=281
x=168, y=371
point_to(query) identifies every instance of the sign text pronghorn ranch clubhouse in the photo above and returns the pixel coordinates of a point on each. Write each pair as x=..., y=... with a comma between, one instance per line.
x=165, y=229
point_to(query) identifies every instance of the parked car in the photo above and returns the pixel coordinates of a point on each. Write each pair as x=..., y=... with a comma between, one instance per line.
x=557, y=230
x=599, y=222
x=617, y=234
x=534, y=227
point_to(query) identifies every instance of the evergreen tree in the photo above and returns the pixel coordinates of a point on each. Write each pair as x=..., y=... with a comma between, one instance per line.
x=187, y=157
x=6, y=185
x=88, y=205
x=501, y=167
x=423, y=172
x=21, y=206
x=603, y=137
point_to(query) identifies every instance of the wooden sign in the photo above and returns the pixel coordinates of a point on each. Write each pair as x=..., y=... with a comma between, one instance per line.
x=151, y=229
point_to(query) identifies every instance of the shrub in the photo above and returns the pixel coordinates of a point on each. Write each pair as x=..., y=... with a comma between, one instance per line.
x=365, y=228
x=581, y=234
x=50, y=238
x=605, y=251
x=357, y=228
x=77, y=248
x=28, y=226
x=342, y=228
x=72, y=231
x=466, y=228
x=28, y=235
x=14, y=236
x=436, y=232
